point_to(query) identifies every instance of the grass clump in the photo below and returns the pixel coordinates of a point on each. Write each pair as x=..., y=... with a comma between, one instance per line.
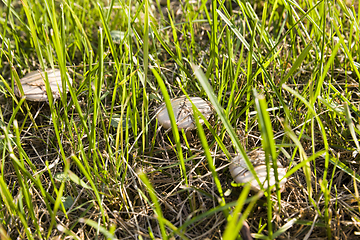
x=96, y=164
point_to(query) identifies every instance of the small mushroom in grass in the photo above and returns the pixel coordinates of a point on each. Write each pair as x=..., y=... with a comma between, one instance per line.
x=241, y=174
x=184, y=113
x=33, y=85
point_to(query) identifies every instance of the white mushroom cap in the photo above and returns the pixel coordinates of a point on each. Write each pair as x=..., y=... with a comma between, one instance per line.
x=34, y=87
x=183, y=112
x=241, y=174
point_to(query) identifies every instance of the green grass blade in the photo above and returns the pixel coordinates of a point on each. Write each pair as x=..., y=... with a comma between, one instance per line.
x=157, y=209
x=174, y=127
x=220, y=111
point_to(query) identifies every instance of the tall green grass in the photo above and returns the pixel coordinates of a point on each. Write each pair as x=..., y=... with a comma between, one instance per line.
x=72, y=166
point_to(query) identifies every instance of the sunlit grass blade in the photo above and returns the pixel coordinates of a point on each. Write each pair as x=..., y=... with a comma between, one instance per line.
x=235, y=221
x=338, y=95
x=24, y=184
x=284, y=228
x=345, y=168
x=268, y=145
x=174, y=127
x=345, y=48
x=157, y=207
x=306, y=166
x=178, y=61
x=321, y=126
x=205, y=145
x=10, y=204
x=214, y=211
x=90, y=178
x=109, y=235
x=221, y=113
x=298, y=62
x=327, y=213
x=256, y=58
x=21, y=166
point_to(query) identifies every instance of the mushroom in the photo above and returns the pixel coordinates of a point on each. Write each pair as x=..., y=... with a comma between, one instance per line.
x=183, y=112
x=34, y=88
x=241, y=174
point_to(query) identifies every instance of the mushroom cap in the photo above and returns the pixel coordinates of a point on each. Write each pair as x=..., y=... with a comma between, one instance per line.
x=34, y=87
x=183, y=112
x=241, y=174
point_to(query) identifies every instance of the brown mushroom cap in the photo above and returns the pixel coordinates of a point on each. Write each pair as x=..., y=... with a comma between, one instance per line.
x=241, y=174
x=34, y=87
x=183, y=112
